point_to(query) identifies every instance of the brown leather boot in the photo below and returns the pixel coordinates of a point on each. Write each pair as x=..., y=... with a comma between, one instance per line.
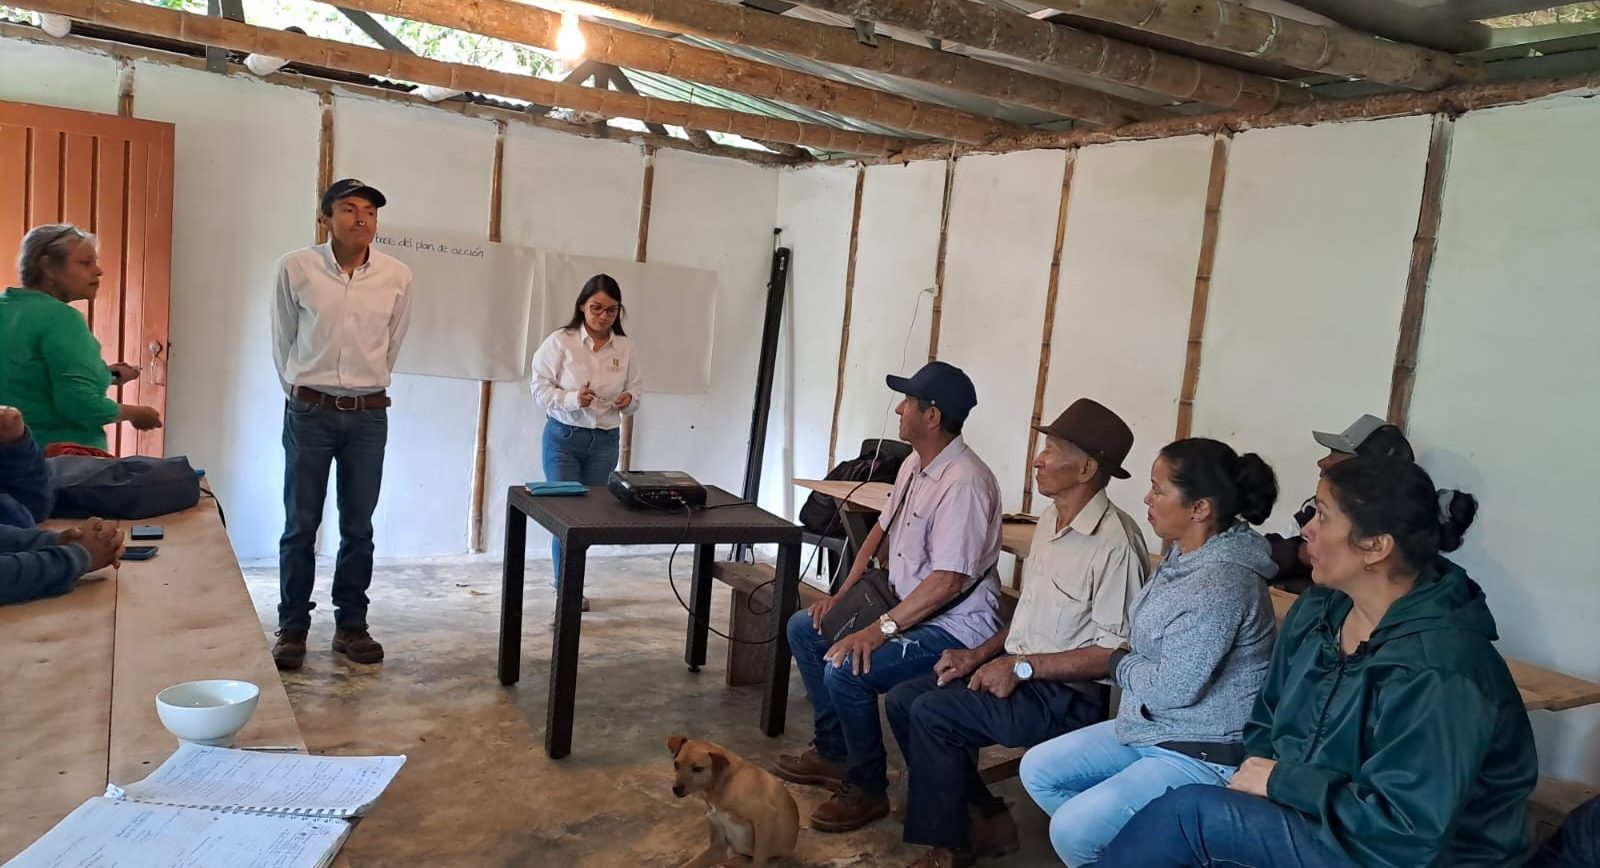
x=811, y=769
x=850, y=808
x=358, y=645
x=289, y=652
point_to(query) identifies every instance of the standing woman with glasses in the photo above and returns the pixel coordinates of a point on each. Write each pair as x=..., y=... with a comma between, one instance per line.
x=51, y=368
x=586, y=377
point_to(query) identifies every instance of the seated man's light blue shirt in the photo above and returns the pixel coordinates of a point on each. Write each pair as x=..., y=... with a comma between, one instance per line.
x=949, y=520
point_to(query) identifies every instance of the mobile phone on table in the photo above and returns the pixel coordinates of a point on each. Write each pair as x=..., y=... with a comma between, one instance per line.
x=139, y=553
x=146, y=531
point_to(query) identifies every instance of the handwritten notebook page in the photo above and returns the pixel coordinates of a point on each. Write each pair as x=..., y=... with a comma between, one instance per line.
x=106, y=833
x=224, y=779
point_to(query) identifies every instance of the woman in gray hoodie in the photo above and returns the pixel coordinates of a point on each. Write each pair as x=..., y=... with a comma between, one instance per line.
x=1200, y=639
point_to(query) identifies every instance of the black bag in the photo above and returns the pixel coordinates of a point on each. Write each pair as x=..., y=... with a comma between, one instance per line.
x=866, y=601
x=122, y=488
x=876, y=463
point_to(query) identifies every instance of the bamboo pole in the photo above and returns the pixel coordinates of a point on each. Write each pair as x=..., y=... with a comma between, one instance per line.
x=1072, y=50
x=1454, y=101
x=938, y=266
x=1251, y=32
x=844, y=320
x=640, y=254
x=1217, y=23
x=742, y=26
x=324, y=159
x=480, y=455
x=296, y=48
x=124, y=88
x=530, y=25
x=1202, y=286
x=1052, y=297
x=1423, y=245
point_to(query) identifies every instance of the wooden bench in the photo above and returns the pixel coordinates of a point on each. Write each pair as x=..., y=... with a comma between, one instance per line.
x=748, y=623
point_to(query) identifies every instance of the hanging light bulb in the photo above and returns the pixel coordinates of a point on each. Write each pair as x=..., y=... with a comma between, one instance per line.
x=570, y=44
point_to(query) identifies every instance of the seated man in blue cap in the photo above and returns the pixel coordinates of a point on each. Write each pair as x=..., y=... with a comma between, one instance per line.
x=942, y=522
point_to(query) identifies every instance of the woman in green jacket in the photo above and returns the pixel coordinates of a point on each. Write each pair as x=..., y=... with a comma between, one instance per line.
x=51, y=368
x=1389, y=732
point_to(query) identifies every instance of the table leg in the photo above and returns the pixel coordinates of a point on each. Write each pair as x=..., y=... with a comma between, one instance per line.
x=694, y=647
x=785, y=600
x=511, y=594
x=564, y=653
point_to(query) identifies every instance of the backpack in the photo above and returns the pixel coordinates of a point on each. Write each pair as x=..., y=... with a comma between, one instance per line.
x=820, y=513
x=124, y=488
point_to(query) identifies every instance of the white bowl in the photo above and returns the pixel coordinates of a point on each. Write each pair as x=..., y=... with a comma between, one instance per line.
x=207, y=712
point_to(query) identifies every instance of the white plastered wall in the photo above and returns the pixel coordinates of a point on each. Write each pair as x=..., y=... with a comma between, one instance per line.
x=890, y=314
x=1122, y=320
x=996, y=280
x=572, y=196
x=815, y=207
x=716, y=215
x=48, y=75
x=1507, y=393
x=1310, y=275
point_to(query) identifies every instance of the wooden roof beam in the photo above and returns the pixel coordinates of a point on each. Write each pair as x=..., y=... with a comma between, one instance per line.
x=530, y=25
x=295, y=48
x=1216, y=23
x=1074, y=50
x=801, y=38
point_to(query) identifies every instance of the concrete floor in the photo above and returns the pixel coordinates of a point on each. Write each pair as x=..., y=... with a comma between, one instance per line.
x=477, y=789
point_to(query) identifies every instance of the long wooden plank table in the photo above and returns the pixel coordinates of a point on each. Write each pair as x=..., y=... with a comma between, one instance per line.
x=1541, y=688
x=79, y=673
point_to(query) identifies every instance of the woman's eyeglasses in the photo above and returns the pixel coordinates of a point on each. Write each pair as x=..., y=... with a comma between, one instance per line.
x=597, y=310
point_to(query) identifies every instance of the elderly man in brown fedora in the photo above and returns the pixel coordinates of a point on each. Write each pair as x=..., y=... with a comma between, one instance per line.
x=1046, y=674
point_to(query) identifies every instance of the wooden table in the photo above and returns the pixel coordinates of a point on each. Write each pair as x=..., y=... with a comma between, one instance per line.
x=1541, y=688
x=598, y=518
x=79, y=673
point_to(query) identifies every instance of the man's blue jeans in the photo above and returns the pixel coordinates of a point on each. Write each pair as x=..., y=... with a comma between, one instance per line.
x=1206, y=826
x=845, y=705
x=572, y=454
x=313, y=440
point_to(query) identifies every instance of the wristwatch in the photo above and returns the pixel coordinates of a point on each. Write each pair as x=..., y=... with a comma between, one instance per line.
x=1022, y=669
x=887, y=625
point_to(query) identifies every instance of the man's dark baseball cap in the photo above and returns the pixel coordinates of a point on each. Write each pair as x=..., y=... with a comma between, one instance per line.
x=944, y=386
x=351, y=187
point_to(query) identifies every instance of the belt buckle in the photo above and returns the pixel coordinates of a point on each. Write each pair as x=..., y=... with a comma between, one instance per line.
x=355, y=402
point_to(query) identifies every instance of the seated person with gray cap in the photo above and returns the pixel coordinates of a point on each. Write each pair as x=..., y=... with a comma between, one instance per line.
x=1369, y=436
x=942, y=523
x=1037, y=679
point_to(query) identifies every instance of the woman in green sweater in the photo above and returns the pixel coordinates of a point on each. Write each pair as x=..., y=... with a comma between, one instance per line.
x=51, y=368
x=1389, y=733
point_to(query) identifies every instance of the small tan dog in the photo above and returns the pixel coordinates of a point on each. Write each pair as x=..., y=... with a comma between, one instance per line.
x=751, y=813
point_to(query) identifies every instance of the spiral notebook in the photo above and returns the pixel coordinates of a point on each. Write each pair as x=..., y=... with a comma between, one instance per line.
x=221, y=779
x=209, y=806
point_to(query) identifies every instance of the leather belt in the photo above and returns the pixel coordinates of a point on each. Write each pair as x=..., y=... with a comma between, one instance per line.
x=322, y=400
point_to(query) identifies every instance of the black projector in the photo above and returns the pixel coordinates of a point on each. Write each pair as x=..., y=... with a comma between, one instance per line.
x=657, y=489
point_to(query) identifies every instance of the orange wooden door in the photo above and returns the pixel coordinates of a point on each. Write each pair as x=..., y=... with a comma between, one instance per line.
x=111, y=176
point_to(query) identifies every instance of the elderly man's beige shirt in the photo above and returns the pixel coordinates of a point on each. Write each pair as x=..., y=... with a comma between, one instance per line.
x=1077, y=583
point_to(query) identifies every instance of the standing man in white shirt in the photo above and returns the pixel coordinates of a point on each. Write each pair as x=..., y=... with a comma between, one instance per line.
x=586, y=377
x=340, y=312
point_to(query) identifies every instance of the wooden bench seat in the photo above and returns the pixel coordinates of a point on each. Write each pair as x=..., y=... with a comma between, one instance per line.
x=747, y=619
